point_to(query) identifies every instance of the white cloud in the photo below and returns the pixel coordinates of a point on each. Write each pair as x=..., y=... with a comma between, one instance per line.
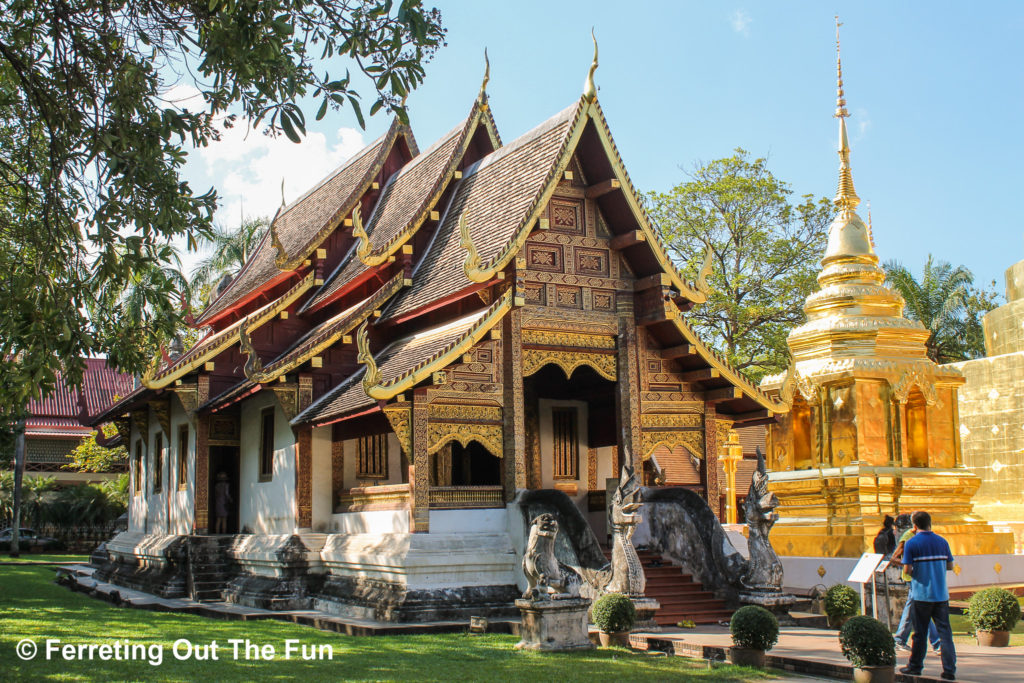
x=247, y=167
x=863, y=123
x=740, y=21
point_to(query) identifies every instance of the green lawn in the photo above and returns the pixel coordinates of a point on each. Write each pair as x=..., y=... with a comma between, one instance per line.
x=33, y=606
x=961, y=628
x=42, y=557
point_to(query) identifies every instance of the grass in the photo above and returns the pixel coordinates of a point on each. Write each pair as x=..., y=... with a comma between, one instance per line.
x=963, y=631
x=33, y=606
x=42, y=557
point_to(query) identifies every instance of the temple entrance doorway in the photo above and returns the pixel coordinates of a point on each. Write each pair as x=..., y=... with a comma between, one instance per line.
x=224, y=460
x=573, y=441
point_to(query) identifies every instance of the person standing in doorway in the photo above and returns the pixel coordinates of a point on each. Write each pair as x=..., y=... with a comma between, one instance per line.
x=927, y=558
x=885, y=540
x=902, y=635
x=221, y=499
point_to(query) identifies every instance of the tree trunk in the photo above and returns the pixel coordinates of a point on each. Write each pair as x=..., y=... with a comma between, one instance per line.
x=19, y=474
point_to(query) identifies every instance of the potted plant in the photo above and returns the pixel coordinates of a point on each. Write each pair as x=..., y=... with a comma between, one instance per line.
x=614, y=615
x=993, y=612
x=867, y=643
x=754, y=630
x=840, y=604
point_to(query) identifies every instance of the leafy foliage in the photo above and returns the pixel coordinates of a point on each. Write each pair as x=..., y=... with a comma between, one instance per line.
x=89, y=456
x=764, y=250
x=946, y=303
x=841, y=601
x=614, y=613
x=754, y=628
x=867, y=642
x=92, y=145
x=43, y=502
x=993, y=609
x=228, y=251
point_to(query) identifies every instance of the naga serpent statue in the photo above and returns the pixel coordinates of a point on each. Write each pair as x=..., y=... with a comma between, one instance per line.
x=764, y=570
x=547, y=577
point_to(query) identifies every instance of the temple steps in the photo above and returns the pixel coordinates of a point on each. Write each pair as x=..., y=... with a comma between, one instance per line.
x=208, y=567
x=681, y=598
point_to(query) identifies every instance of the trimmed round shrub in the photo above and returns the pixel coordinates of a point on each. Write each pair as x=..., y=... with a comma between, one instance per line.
x=841, y=601
x=993, y=609
x=614, y=613
x=867, y=642
x=754, y=628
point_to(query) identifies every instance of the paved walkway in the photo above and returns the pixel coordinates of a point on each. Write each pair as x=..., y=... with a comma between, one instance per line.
x=974, y=663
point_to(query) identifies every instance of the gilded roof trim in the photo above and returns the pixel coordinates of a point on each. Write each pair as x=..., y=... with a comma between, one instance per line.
x=284, y=261
x=381, y=390
x=726, y=371
x=587, y=110
x=329, y=333
x=371, y=256
x=220, y=341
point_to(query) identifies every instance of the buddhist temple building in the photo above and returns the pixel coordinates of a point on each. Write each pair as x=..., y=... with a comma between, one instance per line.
x=418, y=339
x=873, y=428
x=992, y=411
x=57, y=424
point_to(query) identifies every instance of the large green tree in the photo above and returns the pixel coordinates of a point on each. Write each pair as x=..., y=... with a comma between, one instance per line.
x=765, y=249
x=948, y=304
x=91, y=193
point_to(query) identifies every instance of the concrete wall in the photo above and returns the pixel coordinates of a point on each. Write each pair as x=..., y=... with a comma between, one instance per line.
x=266, y=507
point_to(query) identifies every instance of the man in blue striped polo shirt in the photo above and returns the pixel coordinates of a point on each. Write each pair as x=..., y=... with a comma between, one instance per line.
x=926, y=558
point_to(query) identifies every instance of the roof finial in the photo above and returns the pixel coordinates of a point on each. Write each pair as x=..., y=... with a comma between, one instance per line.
x=487, y=77
x=589, y=89
x=282, y=191
x=846, y=197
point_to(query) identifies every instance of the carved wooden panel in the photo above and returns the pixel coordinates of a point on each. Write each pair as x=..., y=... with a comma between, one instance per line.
x=546, y=257
x=535, y=293
x=224, y=430
x=591, y=261
x=604, y=300
x=568, y=296
x=566, y=215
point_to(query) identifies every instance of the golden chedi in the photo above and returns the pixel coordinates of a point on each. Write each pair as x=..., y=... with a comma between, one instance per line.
x=873, y=425
x=992, y=411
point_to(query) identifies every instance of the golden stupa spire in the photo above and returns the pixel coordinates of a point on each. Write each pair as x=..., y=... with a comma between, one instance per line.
x=846, y=196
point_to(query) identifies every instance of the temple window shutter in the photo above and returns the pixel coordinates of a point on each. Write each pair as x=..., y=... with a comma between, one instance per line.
x=373, y=457
x=158, y=463
x=267, y=445
x=566, y=443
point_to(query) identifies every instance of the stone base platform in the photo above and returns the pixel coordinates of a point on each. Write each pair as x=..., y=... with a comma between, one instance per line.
x=81, y=578
x=554, y=625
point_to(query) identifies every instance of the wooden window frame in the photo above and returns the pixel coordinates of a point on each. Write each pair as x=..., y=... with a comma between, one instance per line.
x=372, y=456
x=139, y=460
x=158, y=463
x=182, y=457
x=266, y=462
x=565, y=452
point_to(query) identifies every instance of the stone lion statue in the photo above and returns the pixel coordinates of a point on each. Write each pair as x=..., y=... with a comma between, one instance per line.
x=540, y=566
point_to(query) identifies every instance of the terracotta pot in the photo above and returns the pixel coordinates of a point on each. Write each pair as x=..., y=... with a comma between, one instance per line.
x=874, y=674
x=744, y=656
x=619, y=638
x=993, y=638
x=837, y=622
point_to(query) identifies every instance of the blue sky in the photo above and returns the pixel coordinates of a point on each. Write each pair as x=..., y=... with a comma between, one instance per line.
x=934, y=92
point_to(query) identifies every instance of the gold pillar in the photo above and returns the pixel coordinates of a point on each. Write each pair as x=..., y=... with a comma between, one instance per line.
x=419, y=473
x=732, y=453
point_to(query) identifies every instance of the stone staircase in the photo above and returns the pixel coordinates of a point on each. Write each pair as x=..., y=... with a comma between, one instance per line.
x=208, y=570
x=681, y=598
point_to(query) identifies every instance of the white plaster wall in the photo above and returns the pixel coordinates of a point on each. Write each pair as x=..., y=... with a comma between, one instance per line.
x=372, y=522
x=547, y=459
x=395, y=474
x=137, y=499
x=156, y=503
x=266, y=507
x=488, y=521
x=182, y=503
x=322, y=503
